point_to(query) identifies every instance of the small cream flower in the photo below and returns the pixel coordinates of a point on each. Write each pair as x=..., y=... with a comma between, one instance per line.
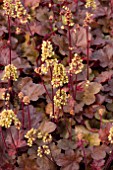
x=10, y=73
x=31, y=136
x=59, y=77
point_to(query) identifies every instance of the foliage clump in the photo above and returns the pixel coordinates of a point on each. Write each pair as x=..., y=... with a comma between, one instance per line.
x=56, y=84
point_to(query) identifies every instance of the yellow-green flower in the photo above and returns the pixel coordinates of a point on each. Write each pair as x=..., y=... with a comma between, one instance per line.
x=59, y=77
x=90, y=3
x=60, y=98
x=31, y=136
x=47, y=50
x=7, y=117
x=10, y=73
x=76, y=65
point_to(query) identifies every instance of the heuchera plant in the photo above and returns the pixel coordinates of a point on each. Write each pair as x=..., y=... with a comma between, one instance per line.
x=56, y=84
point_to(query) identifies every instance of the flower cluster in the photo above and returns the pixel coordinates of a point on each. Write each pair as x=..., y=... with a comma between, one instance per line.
x=21, y=12
x=88, y=19
x=60, y=98
x=67, y=17
x=24, y=99
x=110, y=137
x=7, y=117
x=46, y=137
x=57, y=112
x=86, y=84
x=47, y=50
x=10, y=73
x=15, y=9
x=6, y=96
x=48, y=63
x=31, y=136
x=76, y=65
x=18, y=30
x=59, y=76
x=34, y=134
x=8, y=6
x=39, y=135
x=47, y=58
x=90, y=3
x=44, y=149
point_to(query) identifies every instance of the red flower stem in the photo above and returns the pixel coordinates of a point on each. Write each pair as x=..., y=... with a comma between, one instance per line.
x=3, y=139
x=29, y=117
x=46, y=89
x=23, y=116
x=70, y=135
x=9, y=31
x=70, y=58
x=87, y=38
x=52, y=158
x=12, y=138
x=70, y=45
x=9, y=43
x=48, y=158
x=29, y=29
x=52, y=93
x=84, y=153
x=100, y=121
x=75, y=91
x=72, y=86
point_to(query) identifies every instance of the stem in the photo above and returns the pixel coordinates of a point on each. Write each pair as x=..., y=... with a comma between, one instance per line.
x=23, y=116
x=29, y=117
x=29, y=29
x=51, y=155
x=3, y=139
x=87, y=38
x=12, y=138
x=70, y=135
x=85, y=160
x=46, y=89
x=9, y=41
x=70, y=58
x=75, y=93
x=9, y=31
x=70, y=45
x=48, y=158
x=52, y=93
x=100, y=121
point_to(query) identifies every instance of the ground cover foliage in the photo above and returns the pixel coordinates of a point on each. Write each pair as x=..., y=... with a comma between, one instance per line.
x=56, y=85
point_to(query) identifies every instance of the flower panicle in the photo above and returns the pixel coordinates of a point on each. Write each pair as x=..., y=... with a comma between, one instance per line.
x=44, y=149
x=15, y=9
x=59, y=76
x=60, y=99
x=47, y=50
x=67, y=16
x=110, y=136
x=10, y=73
x=91, y=3
x=34, y=134
x=7, y=117
x=76, y=65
